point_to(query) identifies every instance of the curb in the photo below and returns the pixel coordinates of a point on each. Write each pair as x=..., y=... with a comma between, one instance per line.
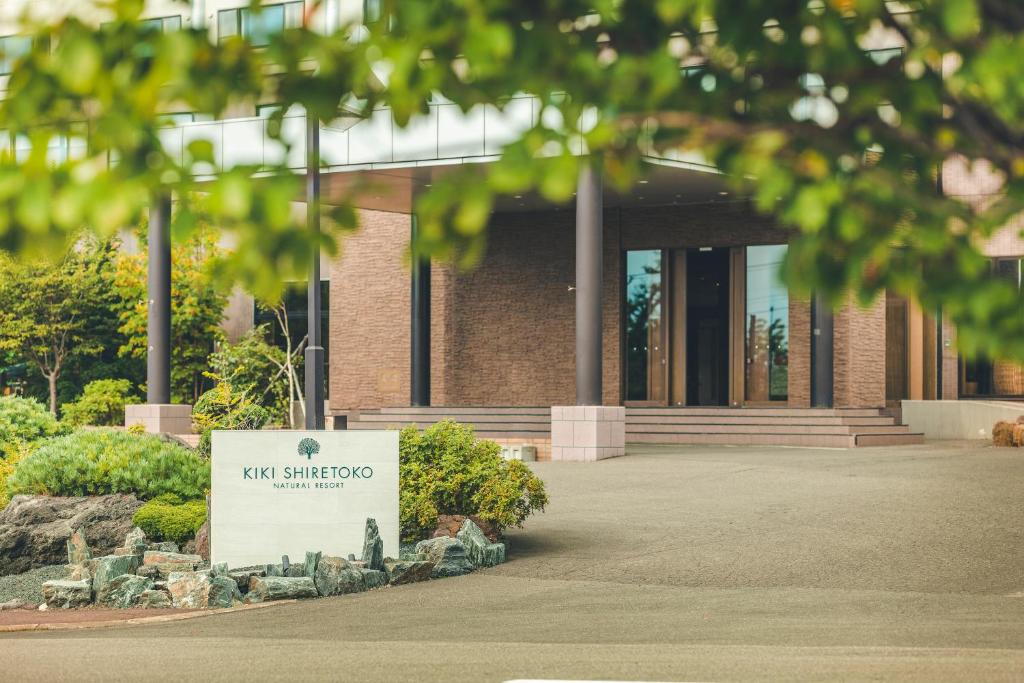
x=163, y=618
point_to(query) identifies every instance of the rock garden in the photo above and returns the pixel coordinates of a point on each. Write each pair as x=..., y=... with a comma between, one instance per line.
x=114, y=518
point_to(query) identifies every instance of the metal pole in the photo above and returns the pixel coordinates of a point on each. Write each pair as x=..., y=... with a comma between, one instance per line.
x=158, y=353
x=314, y=354
x=420, y=328
x=589, y=203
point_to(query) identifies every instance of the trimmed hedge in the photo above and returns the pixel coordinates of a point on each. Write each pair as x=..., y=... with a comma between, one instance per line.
x=446, y=470
x=100, y=461
x=168, y=518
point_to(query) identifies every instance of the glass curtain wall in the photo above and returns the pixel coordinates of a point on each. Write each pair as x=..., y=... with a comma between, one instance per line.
x=645, y=330
x=982, y=376
x=766, y=333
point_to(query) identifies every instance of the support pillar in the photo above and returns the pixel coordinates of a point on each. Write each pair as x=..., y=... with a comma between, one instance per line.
x=158, y=415
x=588, y=431
x=314, y=354
x=420, y=328
x=821, y=353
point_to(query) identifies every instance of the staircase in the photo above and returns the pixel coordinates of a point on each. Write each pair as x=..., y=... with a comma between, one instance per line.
x=815, y=427
x=821, y=427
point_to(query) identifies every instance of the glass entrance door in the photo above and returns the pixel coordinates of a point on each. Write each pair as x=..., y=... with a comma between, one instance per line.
x=766, y=333
x=707, y=327
x=646, y=332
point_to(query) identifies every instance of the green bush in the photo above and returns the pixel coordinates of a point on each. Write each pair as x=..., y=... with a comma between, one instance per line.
x=446, y=470
x=225, y=408
x=168, y=518
x=24, y=421
x=253, y=365
x=100, y=461
x=102, y=403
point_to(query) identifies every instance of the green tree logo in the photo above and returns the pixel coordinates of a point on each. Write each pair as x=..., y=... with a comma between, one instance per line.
x=309, y=448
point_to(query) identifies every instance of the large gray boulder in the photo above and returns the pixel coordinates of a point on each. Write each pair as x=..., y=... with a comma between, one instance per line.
x=34, y=530
x=267, y=588
x=479, y=549
x=123, y=591
x=67, y=594
x=223, y=592
x=337, y=576
x=106, y=569
x=153, y=599
x=448, y=555
x=407, y=571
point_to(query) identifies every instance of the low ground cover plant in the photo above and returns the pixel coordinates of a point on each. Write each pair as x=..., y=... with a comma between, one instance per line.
x=169, y=518
x=24, y=421
x=100, y=461
x=224, y=407
x=102, y=404
x=446, y=470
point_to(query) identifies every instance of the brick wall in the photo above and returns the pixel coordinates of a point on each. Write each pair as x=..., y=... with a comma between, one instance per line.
x=799, y=352
x=859, y=355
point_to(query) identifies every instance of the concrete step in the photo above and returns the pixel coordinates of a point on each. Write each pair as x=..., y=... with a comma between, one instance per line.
x=468, y=410
x=907, y=439
x=725, y=439
x=478, y=426
x=837, y=420
x=762, y=429
x=753, y=412
x=474, y=418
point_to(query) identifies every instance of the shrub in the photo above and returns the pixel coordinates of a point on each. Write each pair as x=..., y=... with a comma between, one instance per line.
x=7, y=465
x=253, y=365
x=446, y=470
x=225, y=408
x=168, y=518
x=102, y=403
x=100, y=461
x=24, y=420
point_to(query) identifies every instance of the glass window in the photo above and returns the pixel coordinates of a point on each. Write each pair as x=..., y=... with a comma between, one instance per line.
x=645, y=352
x=767, y=325
x=163, y=24
x=258, y=27
x=371, y=11
x=13, y=48
x=980, y=376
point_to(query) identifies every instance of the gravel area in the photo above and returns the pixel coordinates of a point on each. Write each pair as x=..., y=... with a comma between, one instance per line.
x=28, y=585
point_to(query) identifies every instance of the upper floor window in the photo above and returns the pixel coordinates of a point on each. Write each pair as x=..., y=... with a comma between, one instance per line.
x=13, y=48
x=258, y=27
x=372, y=11
x=163, y=24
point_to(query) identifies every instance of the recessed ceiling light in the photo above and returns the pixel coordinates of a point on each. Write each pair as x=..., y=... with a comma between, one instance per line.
x=429, y=185
x=643, y=182
x=723, y=193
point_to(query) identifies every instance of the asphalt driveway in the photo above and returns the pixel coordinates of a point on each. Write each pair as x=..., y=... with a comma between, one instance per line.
x=670, y=564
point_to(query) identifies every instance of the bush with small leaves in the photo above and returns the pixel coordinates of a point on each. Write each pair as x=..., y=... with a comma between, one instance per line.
x=102, y=404
x=168, y=518
x=24, y=421
x=100, y=461
x=446, y=470
x=225, y=408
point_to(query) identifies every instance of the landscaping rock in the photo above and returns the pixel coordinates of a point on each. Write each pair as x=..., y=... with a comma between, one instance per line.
x=312, y=560
x=122, y=591
x=81, y=572
x=273, y=570
x=480, y=551
x=219, y=569
x=450, y=525
x=374, y=578
x=159, y=557
x=17, y=604
x=336, y=576
x=405, y=571
x=34, y=530
x=164, y=547
x=243, y=576
x=153, y=598
x=296, y=570
x=373, y=546
x=448, y=555
x=150, y=571
x=106, y=569
x=189, y=589
x=223, y=592
x=135, y=543
x=202, y=541
x=78, y=548
x=67, y=594
x=267, y=588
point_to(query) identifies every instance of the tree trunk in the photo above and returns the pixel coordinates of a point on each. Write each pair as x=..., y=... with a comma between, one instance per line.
x=52, y=379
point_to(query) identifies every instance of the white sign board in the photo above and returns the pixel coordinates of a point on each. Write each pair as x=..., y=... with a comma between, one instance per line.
x=277, y=493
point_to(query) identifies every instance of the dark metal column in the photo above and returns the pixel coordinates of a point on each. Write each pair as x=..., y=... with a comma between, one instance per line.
x=314, y=354
x=420, y=328
x=821, y=353
x=589, y=268
x=158, y=353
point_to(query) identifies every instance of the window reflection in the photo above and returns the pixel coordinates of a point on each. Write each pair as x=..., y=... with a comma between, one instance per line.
x=767, y=325
x=981, y=376
x=645, y=370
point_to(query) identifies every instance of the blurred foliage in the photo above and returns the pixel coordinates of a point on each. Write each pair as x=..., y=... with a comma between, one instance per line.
x=101, y=404
x=841, y=144
x=197, y=308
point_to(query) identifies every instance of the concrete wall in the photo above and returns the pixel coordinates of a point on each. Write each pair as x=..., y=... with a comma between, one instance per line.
x=958, y=419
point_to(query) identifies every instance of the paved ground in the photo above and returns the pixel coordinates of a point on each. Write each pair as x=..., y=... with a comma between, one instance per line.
x=673, y=564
